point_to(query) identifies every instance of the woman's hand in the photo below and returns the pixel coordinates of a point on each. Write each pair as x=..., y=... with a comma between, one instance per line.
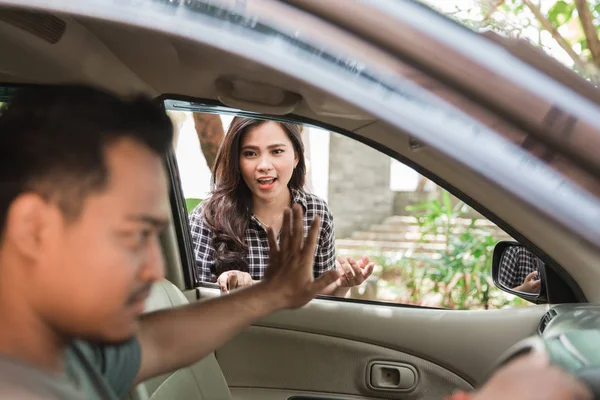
x=353, y=273
x=531, y=284
x=230, y=280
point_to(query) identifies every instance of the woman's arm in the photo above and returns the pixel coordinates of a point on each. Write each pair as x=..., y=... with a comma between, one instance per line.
x=325, y=255
x=352, y=273
x=204, y=252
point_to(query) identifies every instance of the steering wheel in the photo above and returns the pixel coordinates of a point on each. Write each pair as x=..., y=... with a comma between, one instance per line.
x=565, y=352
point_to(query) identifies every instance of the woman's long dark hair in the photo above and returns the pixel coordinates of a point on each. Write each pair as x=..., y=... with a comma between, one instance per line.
x=227, y=211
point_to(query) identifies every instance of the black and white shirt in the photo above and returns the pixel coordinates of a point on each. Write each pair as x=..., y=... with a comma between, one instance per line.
x=517, y=262
x=258, y=244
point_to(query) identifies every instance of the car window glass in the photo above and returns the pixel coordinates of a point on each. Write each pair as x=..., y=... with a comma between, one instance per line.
x=430, y=248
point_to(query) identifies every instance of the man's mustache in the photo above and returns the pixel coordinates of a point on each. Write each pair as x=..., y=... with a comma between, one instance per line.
x=139, y=294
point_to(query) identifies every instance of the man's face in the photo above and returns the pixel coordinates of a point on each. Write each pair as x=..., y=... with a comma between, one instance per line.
x=95, y=273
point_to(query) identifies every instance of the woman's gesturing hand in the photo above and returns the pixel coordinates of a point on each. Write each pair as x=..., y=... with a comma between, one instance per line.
x=230, y=280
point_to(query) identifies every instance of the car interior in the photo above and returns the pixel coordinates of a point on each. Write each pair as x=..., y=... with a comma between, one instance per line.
x=331, y=348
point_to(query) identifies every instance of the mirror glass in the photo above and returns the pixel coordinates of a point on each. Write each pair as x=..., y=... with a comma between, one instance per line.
x=519, y=270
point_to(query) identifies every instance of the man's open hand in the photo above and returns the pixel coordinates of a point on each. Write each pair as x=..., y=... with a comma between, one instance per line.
x=290, y=272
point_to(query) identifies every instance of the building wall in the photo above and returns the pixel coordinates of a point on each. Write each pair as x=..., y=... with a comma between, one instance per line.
x=359, y=192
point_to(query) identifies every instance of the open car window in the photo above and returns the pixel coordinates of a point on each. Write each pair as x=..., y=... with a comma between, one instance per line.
x=430, y=248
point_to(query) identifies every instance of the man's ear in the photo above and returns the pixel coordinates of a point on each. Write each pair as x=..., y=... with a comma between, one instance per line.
x=29, y=223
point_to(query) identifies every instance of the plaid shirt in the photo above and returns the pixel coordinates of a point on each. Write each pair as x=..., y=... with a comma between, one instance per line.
x=258, y=244
x=517, y=262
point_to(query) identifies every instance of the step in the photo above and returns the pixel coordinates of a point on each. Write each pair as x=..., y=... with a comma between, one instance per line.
x=406, y=219
x=390, y=254
x=393, y=228
x=407, y=237
x=397, y=236
x=387, y=245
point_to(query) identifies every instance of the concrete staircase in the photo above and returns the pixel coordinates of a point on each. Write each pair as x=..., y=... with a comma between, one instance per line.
x=400, y=235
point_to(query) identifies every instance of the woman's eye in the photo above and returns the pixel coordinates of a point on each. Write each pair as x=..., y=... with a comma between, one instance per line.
x=249, y=154
x=277, y=151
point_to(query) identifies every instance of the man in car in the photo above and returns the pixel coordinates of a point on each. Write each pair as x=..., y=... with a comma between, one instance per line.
x=84, y=197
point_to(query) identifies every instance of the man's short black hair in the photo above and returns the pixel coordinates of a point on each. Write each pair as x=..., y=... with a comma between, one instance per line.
x=53, y=141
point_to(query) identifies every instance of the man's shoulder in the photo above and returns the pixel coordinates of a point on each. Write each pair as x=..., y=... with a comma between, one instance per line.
x=103, y=353
x=19, y=380
x=115, y=364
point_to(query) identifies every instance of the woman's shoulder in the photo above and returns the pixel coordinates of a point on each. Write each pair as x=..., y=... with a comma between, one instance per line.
x=198, y=210
x=197, y=215
x=316, y=205
x=314, y=200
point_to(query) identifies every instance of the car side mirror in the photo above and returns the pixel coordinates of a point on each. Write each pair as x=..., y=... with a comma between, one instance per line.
x=516, y=270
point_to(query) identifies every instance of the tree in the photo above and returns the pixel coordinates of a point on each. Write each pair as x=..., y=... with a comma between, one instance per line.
x=209, y=129
x=574, y=25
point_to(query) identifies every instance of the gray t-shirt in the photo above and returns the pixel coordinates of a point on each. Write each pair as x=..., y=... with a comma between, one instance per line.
x=93, y=371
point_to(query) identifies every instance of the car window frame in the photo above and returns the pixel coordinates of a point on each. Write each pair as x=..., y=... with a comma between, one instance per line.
x=562, y=284
x=378, y=83
x=559, y=282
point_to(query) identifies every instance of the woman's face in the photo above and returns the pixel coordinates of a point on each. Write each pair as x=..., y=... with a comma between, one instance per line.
x=267, y=161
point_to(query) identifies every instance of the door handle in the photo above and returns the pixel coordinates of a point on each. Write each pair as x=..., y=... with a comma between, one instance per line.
x=390, y=376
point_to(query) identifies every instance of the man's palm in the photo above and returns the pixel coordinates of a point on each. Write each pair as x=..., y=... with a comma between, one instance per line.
x=290, y=270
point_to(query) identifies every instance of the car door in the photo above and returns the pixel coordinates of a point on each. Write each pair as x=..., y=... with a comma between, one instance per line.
x=343, y=348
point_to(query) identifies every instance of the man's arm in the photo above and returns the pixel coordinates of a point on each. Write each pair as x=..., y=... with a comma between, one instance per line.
x=171, y=339
x=177, y=337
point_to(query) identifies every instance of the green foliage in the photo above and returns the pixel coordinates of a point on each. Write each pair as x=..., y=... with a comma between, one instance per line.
x=521, y=18
x=561, y=13
x=191, y=203
x=462, y=273
x=458, y=276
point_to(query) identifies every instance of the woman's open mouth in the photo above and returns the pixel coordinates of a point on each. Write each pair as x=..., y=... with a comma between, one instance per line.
x=266, y=183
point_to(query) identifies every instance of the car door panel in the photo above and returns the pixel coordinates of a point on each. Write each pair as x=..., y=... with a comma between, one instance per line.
x=274, y=394
x=326, y=347
x=292, y=360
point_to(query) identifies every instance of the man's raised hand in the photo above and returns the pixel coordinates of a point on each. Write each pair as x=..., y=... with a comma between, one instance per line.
x=290, y=271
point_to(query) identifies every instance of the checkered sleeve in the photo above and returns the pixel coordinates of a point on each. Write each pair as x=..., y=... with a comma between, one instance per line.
x=517, y=262
x=325, y=254
x=507, y=275
x=202, y=246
